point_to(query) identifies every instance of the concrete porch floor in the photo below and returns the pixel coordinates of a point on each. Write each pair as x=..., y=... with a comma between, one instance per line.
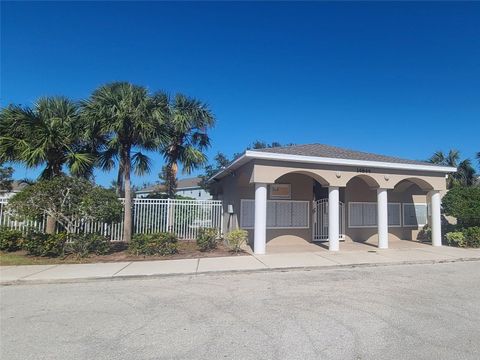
x=297, y=245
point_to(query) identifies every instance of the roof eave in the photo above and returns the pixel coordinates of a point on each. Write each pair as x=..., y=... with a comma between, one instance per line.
x=249, y=154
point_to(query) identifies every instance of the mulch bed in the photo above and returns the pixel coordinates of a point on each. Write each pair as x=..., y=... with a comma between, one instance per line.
x=186, y=250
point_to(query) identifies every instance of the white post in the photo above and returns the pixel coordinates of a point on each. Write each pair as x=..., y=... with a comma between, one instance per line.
x=260, y=230
x=382, y=218
x=436, y=220
x=167, y=222
x=333, y=219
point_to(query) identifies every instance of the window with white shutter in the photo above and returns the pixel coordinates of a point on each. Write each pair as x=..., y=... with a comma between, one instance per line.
x=280, y=214
x=247, y=214
x=394, y=215
x=355, y=214
x=414, y=215
x=364, y=214
x=271, y=208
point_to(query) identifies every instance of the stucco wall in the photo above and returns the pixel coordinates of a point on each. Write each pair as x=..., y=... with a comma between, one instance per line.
x=268, y=171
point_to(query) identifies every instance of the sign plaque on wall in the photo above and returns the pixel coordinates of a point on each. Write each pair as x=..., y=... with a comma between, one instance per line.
x=281, y=191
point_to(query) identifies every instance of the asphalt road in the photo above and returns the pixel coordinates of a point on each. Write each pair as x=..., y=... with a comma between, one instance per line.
x=388, y=312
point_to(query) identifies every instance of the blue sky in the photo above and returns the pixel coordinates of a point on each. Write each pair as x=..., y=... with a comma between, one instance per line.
x=392, y=78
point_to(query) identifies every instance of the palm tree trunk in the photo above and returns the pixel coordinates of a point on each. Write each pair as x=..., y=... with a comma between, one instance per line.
x=172, y=180
x=127, y=220
x=51, y=221
x=120, y=190
x=171, y=190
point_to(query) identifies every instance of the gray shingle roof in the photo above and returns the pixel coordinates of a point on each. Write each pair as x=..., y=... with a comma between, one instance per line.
x=327, y=151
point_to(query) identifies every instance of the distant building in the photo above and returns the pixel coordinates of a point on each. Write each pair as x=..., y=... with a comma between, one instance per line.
x=185, y=187
x=17, y=186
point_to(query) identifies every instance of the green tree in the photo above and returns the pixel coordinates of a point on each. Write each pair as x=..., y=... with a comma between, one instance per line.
x=465, y=174
x=451, y=159
x=170, y=183
x=259, y=144
x=69, y=201
x=50, y=134
x=6, y=178
x=126, y=120
x=463, y=202
x=220, y=162
x=185, y=135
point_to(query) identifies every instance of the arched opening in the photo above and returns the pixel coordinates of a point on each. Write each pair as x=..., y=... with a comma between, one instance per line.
x=403, y=185
x=411, y=198
x=310, y=174
x=305, y=187
x=367, y=179
x=361, y=209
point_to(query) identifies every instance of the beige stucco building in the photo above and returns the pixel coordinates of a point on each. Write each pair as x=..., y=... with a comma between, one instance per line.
x=323, y=193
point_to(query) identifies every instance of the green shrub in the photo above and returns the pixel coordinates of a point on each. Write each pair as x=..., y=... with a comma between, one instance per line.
x=33, y=243
x=472, y=236
x=207, y=239
x=82, y=245
x=39, y=244
x=154, y=244
x=10, y=239
x=235, y=240
x=68, y=201
x=456, y=238
x=463, y=202
x=425, y=234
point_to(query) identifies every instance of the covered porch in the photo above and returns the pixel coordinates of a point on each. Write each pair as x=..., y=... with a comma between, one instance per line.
x=290, y=245
x=361, y=213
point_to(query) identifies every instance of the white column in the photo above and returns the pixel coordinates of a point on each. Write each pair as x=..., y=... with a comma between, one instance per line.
x=260, y=230
x=436, y=219
x=333, y=219
x=382, y=218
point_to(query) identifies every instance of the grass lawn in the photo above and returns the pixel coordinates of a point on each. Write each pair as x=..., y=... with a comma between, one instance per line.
x=186, y=250
x=19, y=258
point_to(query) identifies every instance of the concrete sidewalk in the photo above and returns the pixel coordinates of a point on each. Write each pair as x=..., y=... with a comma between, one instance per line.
x=325, y=259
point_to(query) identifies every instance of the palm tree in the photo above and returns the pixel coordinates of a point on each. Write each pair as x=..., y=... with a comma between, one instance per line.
x=465, y=174
x=127, y=121
x=451, y=159
x=49, y=134
x=185, y=134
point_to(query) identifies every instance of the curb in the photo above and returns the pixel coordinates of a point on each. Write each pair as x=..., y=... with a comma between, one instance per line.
x=233, y=272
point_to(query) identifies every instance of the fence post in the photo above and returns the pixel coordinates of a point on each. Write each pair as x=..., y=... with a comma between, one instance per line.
x=221, y=220
x=168, y=216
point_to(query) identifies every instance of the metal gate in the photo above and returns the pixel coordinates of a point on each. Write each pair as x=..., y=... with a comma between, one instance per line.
x=320, y=220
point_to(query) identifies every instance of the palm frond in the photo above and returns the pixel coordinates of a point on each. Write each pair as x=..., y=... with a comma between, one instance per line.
x=106, y=159
x=438, y=158
x=191, y=158
x=141, y=163
x=81, y=164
